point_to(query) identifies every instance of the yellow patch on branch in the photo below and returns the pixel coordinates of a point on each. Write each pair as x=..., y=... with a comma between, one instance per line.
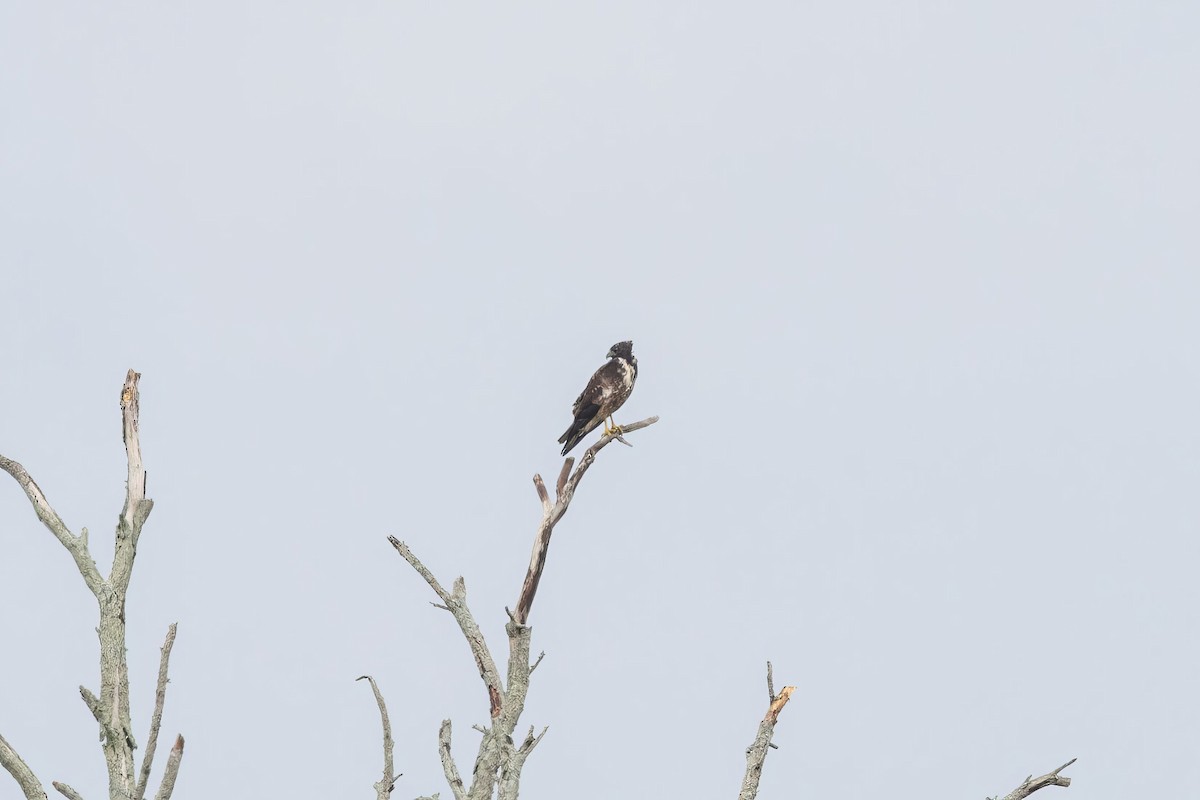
x=779, y=702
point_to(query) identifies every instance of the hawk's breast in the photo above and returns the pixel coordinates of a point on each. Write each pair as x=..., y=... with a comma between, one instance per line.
x=627, y=376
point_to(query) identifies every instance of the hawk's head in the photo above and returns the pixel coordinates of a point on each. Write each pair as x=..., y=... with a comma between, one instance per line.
x=621, y=350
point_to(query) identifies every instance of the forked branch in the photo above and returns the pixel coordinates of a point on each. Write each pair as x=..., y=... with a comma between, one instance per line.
x=756, y=753
x=499, y=761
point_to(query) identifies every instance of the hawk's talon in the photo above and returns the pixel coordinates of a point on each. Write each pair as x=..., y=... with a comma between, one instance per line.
x=611, y=428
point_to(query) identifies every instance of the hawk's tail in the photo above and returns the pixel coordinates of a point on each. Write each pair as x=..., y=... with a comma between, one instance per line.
x=573, y=436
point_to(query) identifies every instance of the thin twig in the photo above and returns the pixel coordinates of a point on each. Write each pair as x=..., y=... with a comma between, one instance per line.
x=421, y=569
x=770, y=683
x=541, y=655
x=160, y=696
x=76, y=545
x=383, y=789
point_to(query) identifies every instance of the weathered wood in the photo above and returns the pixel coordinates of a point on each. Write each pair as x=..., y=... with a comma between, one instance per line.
x=1032, y=784
x=756, y=753
x=31, y=787
x=110, y=707
x=383, y=788
x=551, y=514
x=499, y=761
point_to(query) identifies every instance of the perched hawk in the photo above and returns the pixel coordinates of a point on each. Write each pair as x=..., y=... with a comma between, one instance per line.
x=604, y=394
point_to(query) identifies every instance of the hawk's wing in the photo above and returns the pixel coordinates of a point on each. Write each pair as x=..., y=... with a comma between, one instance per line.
x=591, y=407
x=602, y=384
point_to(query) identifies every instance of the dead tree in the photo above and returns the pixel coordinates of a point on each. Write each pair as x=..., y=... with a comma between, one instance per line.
x=499, y=761
x=110, y=706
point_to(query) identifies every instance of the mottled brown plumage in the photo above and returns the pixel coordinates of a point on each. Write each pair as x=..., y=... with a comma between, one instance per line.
x=608, y=389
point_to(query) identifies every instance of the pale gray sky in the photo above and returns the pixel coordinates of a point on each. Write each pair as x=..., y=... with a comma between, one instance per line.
x=914, y=288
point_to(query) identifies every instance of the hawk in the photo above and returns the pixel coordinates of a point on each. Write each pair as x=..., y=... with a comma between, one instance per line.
x=609, y=387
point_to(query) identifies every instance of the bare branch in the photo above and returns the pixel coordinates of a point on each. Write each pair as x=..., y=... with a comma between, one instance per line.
x=66, y=791
x=160, y=696
x=22, y=774
x=137, y=507
x=552, y=514
x=770, y=683
x=756, y=754
x=543, y=495
x=383, y=789
x=1032, y=784
x=421, y=569
x=541, y=655
x=76, y=545
x=563, y=474
x=498, y=760
x=531, y=742
x=110, y=705
x=171, y=772
x=456, y=603
x=448, y=765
